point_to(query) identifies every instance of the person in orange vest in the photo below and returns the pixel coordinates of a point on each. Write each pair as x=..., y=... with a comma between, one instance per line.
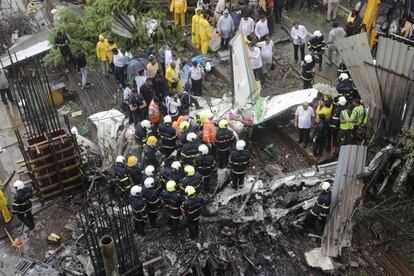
x=179, y=8
x=209, y=130
x=154, y=112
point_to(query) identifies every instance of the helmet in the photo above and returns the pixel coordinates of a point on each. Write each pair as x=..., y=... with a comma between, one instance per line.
x=135, y=190
x=149, y=170
x=191, y=137
x=210, y=116
x=203, y=149
x=189, y=190
x=240, y=145
x=167, y=119
x=171, y=186
x=342, y=101
x=146, y=124
x=151, y=141
x=343, y=76
x=120, y=159
x=325, y=186
x=184, y=125
x=18, y=185
x=101, y=38
x=176, y=165
x=149, y=182
x=317, y=33
x=223, y=123
x=132, y=161
x=189, y=170
x=308, y=59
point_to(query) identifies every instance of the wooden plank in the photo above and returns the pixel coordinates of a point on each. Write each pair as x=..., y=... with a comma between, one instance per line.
x=31, y=161
x=65, y=190
x=36, y=169
x=51, y=187
x=4, y=184
x=65, y=169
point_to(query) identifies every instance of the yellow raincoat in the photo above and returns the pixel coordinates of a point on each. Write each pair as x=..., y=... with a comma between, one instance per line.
x=3, y=208
x=179, y=8
x=172, y=76
x=195, y=38
x=102, y=48
x=205, y=33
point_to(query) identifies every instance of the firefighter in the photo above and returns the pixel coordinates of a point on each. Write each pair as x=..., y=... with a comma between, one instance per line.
x=150, y=151
x=239, y=162
x=186, y=128
x=4, y=209
x=320, y=135
x=191, y=178
x=345, y=87
x=338, y=106
x=342, y=69
x=139, y=209
x=360, y=117
x=206, y=165
x=172, y=172
x=223, y=142
x=308, y=71
x=142, y=131
x=189, y=151
x=172, y=203
x=134, y=170
x=22, y=204
x=316, y=218
x=195, y=32
x=209, y=129
x=121, y=173
x=152, y=199
x=316, y=45
x=192, y=210
x=168, y=136
x=149, y=171
x=346, y=126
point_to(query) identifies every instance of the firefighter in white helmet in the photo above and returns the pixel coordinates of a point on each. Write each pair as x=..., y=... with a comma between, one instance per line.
x=206, y=166
x=22, y=204
x=316, y=45
x=139, y=209
x=239, y=161
x=308, y=71
x=318, y=214
x=152, y=199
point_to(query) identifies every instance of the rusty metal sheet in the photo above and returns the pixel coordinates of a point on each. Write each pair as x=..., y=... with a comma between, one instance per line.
x=345, y=192
x=356, y=54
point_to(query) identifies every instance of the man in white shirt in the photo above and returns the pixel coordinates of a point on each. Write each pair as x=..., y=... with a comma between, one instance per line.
x=225, y=27
x=196, y=75
x=168, y=56
x=247, y=26
x=256, y=61
x=266, y=48
x=261, y=29
x=335, y=34
x=119, y=65
x=304, y=117
x=140, y=79
x=126, y=95
x=173, y=103
x=298, y=34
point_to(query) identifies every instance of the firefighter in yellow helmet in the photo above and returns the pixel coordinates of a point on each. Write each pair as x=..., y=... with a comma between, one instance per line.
x=149, y=154
x=134, y=170
x=179, y=8
x=205, y=32
x=195, y=32
x=101, y=53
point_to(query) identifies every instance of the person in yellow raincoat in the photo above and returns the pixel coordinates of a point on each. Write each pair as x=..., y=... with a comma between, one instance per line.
x=3, y=208
x=172, y=78
x=101, y=53
x=179, y=8
x=195, y=32
x=205, y=33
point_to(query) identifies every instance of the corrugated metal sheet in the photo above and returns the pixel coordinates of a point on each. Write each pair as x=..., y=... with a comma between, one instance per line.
x=395, y=64
x=345, y=192
x=357, y=56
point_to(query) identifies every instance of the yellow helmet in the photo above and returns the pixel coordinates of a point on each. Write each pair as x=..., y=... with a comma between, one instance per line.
x=151, y=141
x=189, y=170
x=132, y=161
x=189, y=190
x=171, y=186
x=184, y=125
x=223, y=123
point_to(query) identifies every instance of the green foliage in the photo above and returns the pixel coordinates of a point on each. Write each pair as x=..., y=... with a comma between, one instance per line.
x=83, y=28
x=53, y=58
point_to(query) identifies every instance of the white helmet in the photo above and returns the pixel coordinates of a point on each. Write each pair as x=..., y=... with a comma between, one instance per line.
x=317, y=33
x=342, y=101
x=343, y=76
x=203, y=149
x=191, y=137
x=325, y=186
x=210, y=116
x=146, y=124
x=135, y=190
x=176, y=165
x=149, y=182
x=149, y=170
x=240, y=145
x=167, y=119
x=120, y=159
x=308, y=59
x=18, y=185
